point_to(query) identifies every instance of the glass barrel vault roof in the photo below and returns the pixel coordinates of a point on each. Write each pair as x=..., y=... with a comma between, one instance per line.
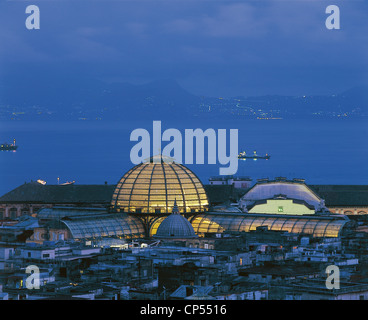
x=317, y=227
x=112, y=225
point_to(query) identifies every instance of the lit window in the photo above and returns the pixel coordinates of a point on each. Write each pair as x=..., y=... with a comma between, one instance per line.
x=281, y=209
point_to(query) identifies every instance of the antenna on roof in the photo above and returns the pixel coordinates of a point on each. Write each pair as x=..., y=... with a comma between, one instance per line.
x=175, y=208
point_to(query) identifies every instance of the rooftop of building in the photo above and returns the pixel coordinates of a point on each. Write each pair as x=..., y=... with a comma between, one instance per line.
x=171, y=250
x=316, y=225
x=230, y=177
x=319, y=286
x=152, y=186
x=58, y=212
x=280, y=197
x=290, y=189
x=290, y=269
x=342, y=195
x=218, y=194
x=24, y=223
x=240, y=284
x=175, y=226
x=104, y=225
x=51, y=245
x=186, y=291
x=34, y=192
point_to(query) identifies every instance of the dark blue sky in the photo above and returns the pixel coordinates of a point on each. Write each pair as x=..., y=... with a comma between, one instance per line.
x=216, y=48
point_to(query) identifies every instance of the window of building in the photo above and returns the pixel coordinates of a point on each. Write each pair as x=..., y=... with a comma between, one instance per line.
x=46, y=255
x=281, y=209
x=13, y=213
x=36, y=209
x=45, y=236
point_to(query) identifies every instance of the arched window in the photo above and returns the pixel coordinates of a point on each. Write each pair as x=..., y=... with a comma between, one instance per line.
x=13, y=213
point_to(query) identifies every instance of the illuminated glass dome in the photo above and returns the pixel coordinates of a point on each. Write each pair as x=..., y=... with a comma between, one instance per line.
x=152, y=187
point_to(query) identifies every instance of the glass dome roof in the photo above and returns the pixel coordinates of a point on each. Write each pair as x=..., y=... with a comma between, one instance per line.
x=152, y=187
x=175, y=226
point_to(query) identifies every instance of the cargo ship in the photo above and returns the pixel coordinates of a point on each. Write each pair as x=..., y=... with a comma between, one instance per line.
x=8, y=147
x=243, y=155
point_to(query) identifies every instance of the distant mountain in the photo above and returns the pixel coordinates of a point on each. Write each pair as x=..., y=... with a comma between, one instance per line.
x=353, y=102
x=356, y=97
x=164, y=97
x=68, y=96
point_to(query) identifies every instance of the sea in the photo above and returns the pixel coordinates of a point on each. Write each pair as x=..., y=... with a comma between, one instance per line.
x=321, y=151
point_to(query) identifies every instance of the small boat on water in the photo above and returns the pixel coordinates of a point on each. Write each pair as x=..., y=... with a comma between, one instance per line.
x=8, y=147
x=243, y=155
x=67, y=183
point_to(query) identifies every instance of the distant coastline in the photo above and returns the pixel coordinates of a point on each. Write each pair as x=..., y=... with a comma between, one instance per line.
x=167, y=99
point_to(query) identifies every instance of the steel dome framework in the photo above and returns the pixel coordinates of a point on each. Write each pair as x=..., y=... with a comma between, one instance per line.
x=152, y=187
